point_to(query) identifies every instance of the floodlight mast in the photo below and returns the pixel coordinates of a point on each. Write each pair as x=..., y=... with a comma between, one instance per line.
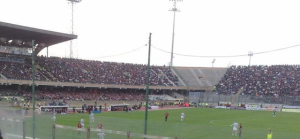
x=174, y=9
x=213, y=62
x=250, y=54
x=72, y=25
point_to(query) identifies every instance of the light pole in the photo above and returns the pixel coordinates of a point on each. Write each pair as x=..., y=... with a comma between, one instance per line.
x=212, y=63
x=147, y=87
x=250, y=54
x=72, y=25
x=33, y=90
x=188, y=88
x=174, y=9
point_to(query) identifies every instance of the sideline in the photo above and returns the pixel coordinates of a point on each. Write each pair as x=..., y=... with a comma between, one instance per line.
x=113, y=132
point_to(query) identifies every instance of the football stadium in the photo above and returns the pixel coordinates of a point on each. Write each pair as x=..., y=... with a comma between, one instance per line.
x=50, y=97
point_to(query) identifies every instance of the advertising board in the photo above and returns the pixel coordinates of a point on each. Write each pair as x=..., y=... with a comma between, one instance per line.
x=291, y=110
x=291, y=107
x=262, y=109
x=220, y=107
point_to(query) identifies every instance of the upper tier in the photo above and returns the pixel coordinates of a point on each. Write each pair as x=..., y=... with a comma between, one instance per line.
x=85, y=71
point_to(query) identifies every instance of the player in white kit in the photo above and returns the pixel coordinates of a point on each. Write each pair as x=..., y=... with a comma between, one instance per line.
x=54, y=116
x=92, y=119
x=234, y=128
x=182, y=116
x=101, y=135
x=82, y=122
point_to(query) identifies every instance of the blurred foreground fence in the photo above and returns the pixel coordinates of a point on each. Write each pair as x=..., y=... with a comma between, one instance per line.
x=17, y=124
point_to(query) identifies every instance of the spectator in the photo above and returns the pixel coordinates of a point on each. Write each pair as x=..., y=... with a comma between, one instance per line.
x=275, y=81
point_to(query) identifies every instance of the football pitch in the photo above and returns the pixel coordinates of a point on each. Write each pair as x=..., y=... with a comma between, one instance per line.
x=199, y=123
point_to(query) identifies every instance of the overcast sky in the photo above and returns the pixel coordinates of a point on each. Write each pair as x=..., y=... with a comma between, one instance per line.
x=203, y=27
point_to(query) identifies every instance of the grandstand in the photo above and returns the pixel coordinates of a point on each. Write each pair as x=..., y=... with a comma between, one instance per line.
x=73, y=75
x=55, y=71
x=64, y=78
x=15, y=66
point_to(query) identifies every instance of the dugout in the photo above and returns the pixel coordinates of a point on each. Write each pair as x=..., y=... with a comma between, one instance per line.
x=118, y=107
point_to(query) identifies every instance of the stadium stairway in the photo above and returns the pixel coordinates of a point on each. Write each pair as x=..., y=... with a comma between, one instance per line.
x=48, y=75
x=236, y=95
x=157, y=74
x=2, y=76
x=181, y=80
x=167, y=77
x=37, y=67
x=41, y=69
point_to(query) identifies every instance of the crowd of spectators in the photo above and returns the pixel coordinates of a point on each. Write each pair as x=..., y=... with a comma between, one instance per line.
x=75, y=95
x=15, y=70
x=86, y=71
x=276, y=80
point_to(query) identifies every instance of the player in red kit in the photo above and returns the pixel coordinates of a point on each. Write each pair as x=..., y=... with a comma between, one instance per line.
x=99, y=125
x=166, y=116
x=79, y=126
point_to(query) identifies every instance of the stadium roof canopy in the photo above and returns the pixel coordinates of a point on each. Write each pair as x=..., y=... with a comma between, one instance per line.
x=21, y=36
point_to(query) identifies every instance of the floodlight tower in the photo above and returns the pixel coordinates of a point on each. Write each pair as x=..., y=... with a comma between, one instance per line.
x=72, y=2
x=212, y=63
x=250, y=54
x=174, y=9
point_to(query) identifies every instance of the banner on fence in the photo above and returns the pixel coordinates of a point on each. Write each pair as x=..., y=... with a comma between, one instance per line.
x=291, y=110
x=252, y=106
x=154, y=107
x=237, y=108
x=220, y=107
x=254, y=109
x=291, y=107
x=262, y=109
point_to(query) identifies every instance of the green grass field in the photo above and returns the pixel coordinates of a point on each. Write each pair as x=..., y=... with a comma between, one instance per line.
x=199, y=123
